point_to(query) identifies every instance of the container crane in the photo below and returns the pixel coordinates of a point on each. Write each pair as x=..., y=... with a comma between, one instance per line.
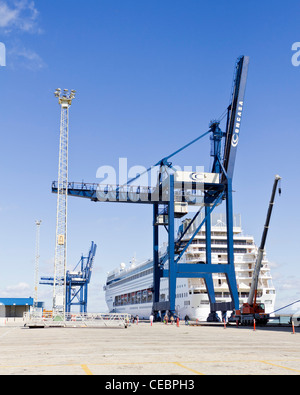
x=252, y=310
x=178, y=190
x=77, y=281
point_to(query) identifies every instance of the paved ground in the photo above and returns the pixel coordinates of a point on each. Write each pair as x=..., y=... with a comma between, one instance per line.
x=156, y=350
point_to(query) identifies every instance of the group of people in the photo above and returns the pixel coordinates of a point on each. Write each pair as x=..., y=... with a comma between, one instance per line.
x=134, y=319
x=166, y=319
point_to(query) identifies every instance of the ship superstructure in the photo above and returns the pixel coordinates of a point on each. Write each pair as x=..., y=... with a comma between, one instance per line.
x=129, y=289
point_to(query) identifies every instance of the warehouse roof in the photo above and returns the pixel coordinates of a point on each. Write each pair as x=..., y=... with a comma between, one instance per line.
x=16, y=301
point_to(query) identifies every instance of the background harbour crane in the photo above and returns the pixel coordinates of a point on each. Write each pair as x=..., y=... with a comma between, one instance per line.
x=77, y=281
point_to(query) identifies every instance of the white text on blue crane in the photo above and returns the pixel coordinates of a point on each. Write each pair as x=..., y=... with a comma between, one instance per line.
x=235, y=137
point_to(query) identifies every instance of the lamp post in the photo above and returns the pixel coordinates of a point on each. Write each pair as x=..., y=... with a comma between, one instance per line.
x=65, y=99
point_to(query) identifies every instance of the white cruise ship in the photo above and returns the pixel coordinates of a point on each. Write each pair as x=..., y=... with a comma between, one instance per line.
x=129, y=289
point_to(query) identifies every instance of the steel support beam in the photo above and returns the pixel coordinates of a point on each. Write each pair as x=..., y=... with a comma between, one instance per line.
x=171, y=248
x=230, y=273
x=156, y=267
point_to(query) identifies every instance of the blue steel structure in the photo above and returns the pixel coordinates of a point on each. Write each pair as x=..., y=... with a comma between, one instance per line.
x=16, y=301
x=77, y=282
x=224, y=149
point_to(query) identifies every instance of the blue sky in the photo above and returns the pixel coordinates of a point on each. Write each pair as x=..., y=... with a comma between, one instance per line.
x=150, y=75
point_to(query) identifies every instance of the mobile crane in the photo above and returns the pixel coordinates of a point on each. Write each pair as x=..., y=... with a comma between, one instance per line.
x=252, y=310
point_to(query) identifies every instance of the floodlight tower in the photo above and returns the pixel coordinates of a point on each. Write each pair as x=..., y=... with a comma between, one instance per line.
x=59, y=287
x=37, y=260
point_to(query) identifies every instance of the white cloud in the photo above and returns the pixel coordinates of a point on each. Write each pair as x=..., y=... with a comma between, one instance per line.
x=18, y=15
x=7, y=15
x=287, y=283
x=21, y=57
x=21, y=290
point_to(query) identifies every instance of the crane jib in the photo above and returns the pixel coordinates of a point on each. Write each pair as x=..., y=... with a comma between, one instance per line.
x=235, y=112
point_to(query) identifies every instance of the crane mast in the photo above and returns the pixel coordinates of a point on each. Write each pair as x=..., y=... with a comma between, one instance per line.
x=59, y=285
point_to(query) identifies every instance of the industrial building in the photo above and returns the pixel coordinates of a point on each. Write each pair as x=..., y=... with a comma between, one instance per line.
x=14, y=307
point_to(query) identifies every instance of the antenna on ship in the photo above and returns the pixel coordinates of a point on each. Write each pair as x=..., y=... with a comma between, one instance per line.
x=60, y=263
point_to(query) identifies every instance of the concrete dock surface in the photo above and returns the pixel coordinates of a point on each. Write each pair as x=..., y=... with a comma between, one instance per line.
x=149, y=350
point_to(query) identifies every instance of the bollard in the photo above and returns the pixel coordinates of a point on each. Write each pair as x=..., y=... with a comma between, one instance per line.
x=224, y=323
x=177, y=322
x=293, y=326
x=254, y=325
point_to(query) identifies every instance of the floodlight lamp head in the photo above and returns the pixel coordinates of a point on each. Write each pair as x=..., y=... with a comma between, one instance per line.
x=65, y=97
x=57, y=92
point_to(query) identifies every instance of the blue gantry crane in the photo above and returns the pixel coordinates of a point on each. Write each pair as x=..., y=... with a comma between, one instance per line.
x=77, y=281
x=175, y=192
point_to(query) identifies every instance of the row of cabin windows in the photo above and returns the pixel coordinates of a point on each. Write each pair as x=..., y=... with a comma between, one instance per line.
x=144, y=296
x=235, y=242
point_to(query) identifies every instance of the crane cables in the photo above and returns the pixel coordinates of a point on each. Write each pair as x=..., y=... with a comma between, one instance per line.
x=291, y=304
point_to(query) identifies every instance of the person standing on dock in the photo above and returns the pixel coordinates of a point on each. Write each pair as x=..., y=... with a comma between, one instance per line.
x=186, y=319
x=166, y=319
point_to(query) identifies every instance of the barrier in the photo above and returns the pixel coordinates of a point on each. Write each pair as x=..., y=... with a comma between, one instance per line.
x=91, y=320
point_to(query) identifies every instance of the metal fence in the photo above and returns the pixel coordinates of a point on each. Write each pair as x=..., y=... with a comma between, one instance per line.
x=35, y=319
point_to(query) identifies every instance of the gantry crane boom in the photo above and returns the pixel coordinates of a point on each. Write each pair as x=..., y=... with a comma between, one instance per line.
x=234, y=117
